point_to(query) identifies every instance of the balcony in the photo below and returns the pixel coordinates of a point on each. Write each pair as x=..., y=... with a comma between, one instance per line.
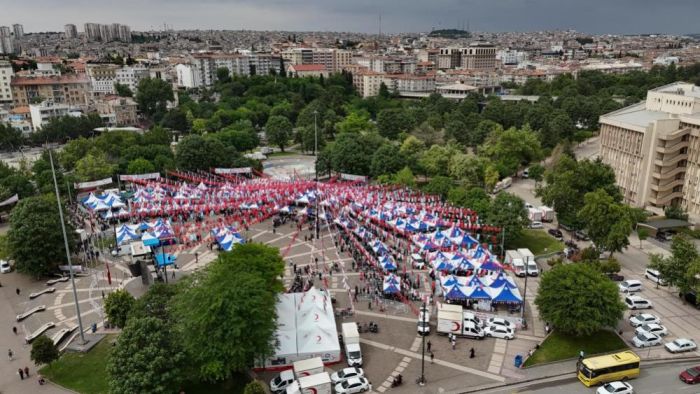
x=670, y=159
x=676, y=146
x=668, y=174
x=668, y=185
x=665, y=199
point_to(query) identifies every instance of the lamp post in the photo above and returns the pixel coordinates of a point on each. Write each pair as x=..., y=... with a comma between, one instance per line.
x=522, y=309
x=421, y=381
x=316, y=169
x=65, y=241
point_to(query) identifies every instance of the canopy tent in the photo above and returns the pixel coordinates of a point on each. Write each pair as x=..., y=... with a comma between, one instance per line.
x=456, y=293
x=478, y=293
x=506, y=294
x=503, y=280
x=391, y=284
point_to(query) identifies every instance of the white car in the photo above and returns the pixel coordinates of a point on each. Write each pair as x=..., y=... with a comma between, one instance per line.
x=641, y=319
x=653, y=328
x=345, y=374
x=498, y=321
x=615, y=388
x=646, y=339
x=681, y=345
x=353, y=385
x=5, y=266
x=536, y=225
x=497, y=331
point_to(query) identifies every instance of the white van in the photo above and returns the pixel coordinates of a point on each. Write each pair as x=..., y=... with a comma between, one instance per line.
x=654, y=276
x=417, y=261
x=519, y=268
x=282, y=381
x=472, y=318
x=471, y=330
x=630, y=286
x=637, y=302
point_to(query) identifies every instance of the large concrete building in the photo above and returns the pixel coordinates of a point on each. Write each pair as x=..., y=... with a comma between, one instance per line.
x=6, y=74
x=65, y=89
x=477, y=56
x=7, y=42
x=71, y=31
x=654, y=149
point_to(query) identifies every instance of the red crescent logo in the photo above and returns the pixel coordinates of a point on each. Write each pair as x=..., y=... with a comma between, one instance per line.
x=318, y=339
x=313, y=390
x=455, y=326
x=305, y=373
x=316, y=314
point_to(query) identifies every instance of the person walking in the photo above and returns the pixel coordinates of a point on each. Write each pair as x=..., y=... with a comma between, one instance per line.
x=454, y=343
x=471, y=353
x=14, y=330
x=432, y=357
x=26, y=372
x=10, y=354
x=430, y=345
x=21, y=374
x=17, y=291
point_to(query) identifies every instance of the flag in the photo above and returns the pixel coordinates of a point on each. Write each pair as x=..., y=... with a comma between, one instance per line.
x=109, y=275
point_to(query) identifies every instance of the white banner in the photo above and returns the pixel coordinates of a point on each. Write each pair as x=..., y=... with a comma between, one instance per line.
x=351, y=177
x=93, y=184
x=153, y=175
x=242, y=170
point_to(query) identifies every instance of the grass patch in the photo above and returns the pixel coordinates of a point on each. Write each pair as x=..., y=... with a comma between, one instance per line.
x=537, y=241
x=561, y=346
x=82, y=372
x=86, y=373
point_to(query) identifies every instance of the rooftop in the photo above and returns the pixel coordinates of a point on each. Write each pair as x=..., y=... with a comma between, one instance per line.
x=51, y=80
x=308, y=67
x=636, y=115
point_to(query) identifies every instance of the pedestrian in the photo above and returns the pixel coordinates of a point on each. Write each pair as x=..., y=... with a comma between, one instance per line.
x=173, y=274
x=369, y=305
x=17, y=291
x=471, y=353
x=432, y=357
x=9, y=354
x=546, y=328
x=103, y=294
x=21, y=374
x=454, y=344
x=14, y=330
x=26, y=372
x=430, y=345
x=581, y=354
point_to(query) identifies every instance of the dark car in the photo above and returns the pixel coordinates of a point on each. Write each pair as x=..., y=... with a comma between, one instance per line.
x=690, y=375
x=566, y=227
x=664, y=236
x=691, y=297
x=555, y=233
x=615, y=277
x=580, y=235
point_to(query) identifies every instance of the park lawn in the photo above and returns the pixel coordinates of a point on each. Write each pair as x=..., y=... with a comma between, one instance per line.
x=561, y=346
x=86, y=373
x=82, y=372
x=537, y=241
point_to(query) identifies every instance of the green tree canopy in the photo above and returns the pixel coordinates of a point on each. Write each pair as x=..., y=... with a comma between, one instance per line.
x=391, y=122
x=35, y=238
x=94, y=166
x=387, y=160
x=508, y=212
x=679, y=268
x=43, y=351
x=152, y=96
x=140, y=166
x=509, y=149
x=438, y=185
x=118, y=305
x=147, y=358
x=578, y=300
x=278, y=131
x=195, y=152
x=608, y=223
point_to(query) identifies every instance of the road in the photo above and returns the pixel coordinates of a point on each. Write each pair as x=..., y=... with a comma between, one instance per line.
x=659, y=379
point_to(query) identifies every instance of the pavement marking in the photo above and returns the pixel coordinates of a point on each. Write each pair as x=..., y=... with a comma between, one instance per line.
x=54, y=307
x=416, y=344
x=385, y=316
x=447, y=364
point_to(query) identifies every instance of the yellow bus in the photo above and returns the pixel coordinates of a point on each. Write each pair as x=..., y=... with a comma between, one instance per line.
x=608, y=368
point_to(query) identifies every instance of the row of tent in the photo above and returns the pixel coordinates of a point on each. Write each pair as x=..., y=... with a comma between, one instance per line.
x=150, y=233
x=227, y=237
x=498, y=288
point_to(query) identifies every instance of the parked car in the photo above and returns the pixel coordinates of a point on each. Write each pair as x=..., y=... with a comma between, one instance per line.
x=641, y=319
x=353, y=385
x=580, y=235
x=536, y=225
x=556, y=233
x=5, y=266
x=664, y=236
x=645, y=339
x=637, y=302
x=690, y=375
x=616, y=387
x=499, y=321
x=497, y=331
x=630, y=286
x=566, y=227
x=615, y=277
x=345, y=374
x=681, y=345
x=653, y=328
x=691, y=297
x=654, y=276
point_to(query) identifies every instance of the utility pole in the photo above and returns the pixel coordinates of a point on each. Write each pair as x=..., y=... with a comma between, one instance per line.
x=522, y=310
x=421, y=381
x=316, y=170
x=65, y=241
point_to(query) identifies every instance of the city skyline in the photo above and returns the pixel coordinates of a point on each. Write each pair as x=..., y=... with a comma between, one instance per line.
x=593, y=16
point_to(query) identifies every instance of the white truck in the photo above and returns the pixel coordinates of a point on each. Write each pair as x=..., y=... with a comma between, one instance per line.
x=534, y=214
x=529, y=260
x=282, y=381
x=351, y=338
x=503, y=184
x=319, y=383
x=516, y=261
x=547, y=214
x=451, y=320
x=310, y=366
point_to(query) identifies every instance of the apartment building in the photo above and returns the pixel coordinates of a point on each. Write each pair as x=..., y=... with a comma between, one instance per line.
x=188, y=76
x=334, y=60
x=43, y=112
x=131, y=76
x=117, y=111
x=6, y=74
x=102, y=77
x=7, y=42
x=71, y=32
x=63, y=89
x=478, y=56
x=654, y=149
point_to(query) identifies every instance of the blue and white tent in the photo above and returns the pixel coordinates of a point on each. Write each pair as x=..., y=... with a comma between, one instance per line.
x=391, y=284
x=506, y=294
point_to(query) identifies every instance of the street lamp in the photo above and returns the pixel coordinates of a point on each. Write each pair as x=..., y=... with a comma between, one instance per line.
x=316, y=169
x=522, y=309
x=65, y=241
x=421, y=381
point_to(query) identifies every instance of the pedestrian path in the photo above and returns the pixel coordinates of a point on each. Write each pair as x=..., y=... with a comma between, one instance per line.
x=398, y=370
x=499, y=350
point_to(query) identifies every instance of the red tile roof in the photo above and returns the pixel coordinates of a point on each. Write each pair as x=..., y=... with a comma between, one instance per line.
x=63, y=79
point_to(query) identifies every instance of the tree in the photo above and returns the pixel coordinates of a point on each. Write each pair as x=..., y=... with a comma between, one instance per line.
x=387, y=160
x=147, y=358
x=428, y=134
x=438, y=185
x=391, y=122
x=156, y=302
x=140, y=166
x=10, y=138
x=508, y=212
x=43, y=351
x=676, y=267
x=240, y=289
x=118, y=306
x=35, y=238
x=355, y=122
x=223, y=75
x=153, y=95
x=467, y=168
x=491, y=177
x=509, y=149
x=536, y=172
x=254, y=387
x=405, y=177
x=474, y=198
x=19, y=184
x=436, y=160
x=352, y=152
x=278, y=131
x=195, y=152
x=412, y=148
x=608, y=223
x=94, y=166
x=642, y=234
x=675, y=212
x=578, y=300
x=123, y=90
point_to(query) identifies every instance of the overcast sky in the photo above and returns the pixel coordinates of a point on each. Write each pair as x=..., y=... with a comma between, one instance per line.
x=591, y=16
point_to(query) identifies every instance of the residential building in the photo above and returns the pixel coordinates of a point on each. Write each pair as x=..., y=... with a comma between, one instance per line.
x=71, y=32
x=102, y=77
x=92, y=31
x=307, y=70
x=64, y=89
x=654, y=149
x=7, y=44
x=6, y=74
x=406, y=83
x=43, y=112
x=367, y=82
x=188, y=76
x=478, y=56
x=107, y=33
x=131, y=76
x=334, y=60
x=117, y=111
x=208, y=63
x=18, y=30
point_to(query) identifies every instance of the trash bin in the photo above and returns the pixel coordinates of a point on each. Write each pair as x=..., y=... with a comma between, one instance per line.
x=94, y=328
x=518, y=361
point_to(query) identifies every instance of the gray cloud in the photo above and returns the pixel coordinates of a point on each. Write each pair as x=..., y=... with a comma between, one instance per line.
x=594, y=16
